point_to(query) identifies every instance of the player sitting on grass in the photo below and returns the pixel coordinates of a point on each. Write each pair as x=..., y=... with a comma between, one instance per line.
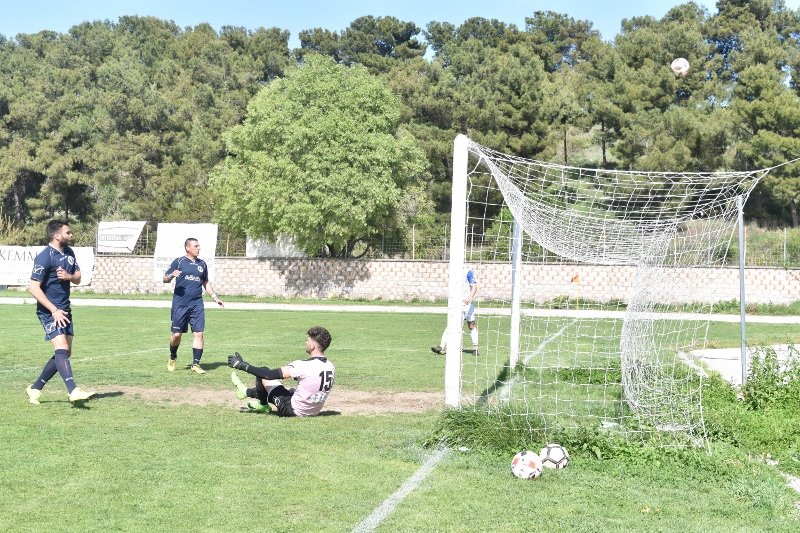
x=314, y=378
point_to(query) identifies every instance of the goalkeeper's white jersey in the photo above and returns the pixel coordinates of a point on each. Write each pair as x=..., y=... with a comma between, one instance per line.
x=314, y=378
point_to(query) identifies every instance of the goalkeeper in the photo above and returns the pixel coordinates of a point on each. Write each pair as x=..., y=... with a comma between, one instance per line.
x=314, y=378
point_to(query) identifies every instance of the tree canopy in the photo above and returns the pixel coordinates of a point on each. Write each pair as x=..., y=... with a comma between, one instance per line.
x=320, y=157
x=127, y=118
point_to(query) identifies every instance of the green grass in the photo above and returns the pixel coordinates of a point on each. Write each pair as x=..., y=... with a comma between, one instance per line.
x=592, y=495
x=128, y=466
x=123, y=464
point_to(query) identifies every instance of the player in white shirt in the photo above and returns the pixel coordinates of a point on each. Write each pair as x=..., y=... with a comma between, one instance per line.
x=467, y=313
x=314, y=378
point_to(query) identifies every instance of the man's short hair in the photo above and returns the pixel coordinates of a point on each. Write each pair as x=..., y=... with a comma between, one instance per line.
x=54, y=226
x=321, y=336
x=187, y=241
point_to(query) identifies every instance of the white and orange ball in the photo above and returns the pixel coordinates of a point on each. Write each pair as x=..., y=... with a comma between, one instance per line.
x=680, y=66
x=526, y=465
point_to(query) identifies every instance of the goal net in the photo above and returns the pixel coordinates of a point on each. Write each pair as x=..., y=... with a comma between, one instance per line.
x=593, y=288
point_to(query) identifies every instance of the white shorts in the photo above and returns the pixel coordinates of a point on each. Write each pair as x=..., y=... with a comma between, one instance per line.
x=468, y=312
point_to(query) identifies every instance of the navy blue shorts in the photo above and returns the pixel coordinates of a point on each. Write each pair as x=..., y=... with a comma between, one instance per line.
x=51, y=329
x=185, y=315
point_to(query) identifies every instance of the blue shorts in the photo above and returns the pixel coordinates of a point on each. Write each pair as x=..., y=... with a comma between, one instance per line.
x=51, y=329
x=185, y=315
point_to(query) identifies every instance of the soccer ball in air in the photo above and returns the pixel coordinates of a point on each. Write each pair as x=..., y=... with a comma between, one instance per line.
x=526, y=465
x=554, y=456
x=680, y=66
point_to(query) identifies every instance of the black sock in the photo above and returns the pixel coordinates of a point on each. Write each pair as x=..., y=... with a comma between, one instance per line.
x=251, y=393
x=173, y=352
x=197, y=353
x=48, y=372
x=65, y=369
x=261, y=392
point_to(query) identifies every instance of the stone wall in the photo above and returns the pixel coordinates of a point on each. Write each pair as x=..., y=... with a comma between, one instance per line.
x=427, y=280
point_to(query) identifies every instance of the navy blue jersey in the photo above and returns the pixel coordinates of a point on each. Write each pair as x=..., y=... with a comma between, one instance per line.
x=44, y=271
x=189, y=285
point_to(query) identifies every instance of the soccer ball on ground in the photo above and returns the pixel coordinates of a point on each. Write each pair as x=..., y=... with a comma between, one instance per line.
x=526, y=465
x=680, y=66
x=554, y=456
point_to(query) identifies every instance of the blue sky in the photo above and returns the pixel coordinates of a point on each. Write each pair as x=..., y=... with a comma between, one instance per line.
x=30, y=16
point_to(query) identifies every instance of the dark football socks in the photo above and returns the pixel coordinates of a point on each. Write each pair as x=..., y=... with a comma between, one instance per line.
x=48, y=372
x=65, y=369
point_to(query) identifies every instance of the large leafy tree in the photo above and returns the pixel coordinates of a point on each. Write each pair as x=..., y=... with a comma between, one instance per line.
x=124, y=120
x=378, y=43
x=768, y=114
x=319, y=157
x=484, y=82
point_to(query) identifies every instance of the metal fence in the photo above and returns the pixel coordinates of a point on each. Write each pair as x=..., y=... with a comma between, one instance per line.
x=229, y=245
x=765, y=248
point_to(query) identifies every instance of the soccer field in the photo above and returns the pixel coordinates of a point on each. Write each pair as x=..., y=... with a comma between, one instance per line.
x=161, y=451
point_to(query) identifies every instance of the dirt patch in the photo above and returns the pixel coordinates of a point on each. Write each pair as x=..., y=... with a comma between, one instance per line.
x=341, y=401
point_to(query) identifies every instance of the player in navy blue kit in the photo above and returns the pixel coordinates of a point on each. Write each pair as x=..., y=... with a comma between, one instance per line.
x=191, y=277
x=53, y=270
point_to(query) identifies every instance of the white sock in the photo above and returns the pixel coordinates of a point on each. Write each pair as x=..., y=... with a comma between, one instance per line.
x=443, y=342
x=473, y=333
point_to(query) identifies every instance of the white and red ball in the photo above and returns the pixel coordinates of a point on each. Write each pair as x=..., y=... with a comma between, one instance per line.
x=526, y=465
x=680, y=66
x=554, y=456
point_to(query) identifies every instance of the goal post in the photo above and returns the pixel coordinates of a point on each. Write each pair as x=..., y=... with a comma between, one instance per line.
x=594, y=288
x=458, y=218
x=516, y=293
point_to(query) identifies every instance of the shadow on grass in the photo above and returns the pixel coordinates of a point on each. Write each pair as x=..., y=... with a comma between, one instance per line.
x=499, y=381
x=250, y=411
x=212, y=366
x=84, y=404
x=111, y=394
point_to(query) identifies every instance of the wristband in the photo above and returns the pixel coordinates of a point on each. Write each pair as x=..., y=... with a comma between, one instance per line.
x=213, y=295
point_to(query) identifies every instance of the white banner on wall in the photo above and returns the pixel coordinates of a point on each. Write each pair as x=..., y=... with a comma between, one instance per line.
x=118, y=237
x=16, y=263
x=169, y=245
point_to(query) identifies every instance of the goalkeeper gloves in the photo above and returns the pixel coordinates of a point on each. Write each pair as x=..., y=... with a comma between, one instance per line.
x=236, y=361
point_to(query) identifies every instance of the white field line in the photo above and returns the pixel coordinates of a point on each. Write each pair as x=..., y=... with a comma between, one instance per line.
x=506, y=389
x=83, y=360
x=380, y=513
x=687, y=360
x=432, y=310
x=547, y=341
x=792, y=481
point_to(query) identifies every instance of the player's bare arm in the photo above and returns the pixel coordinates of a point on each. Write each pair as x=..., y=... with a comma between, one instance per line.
x=172, y=275
x=210, y=290
x=63, y=275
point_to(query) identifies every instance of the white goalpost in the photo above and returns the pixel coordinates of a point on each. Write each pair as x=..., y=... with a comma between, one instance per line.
x=593, y=288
